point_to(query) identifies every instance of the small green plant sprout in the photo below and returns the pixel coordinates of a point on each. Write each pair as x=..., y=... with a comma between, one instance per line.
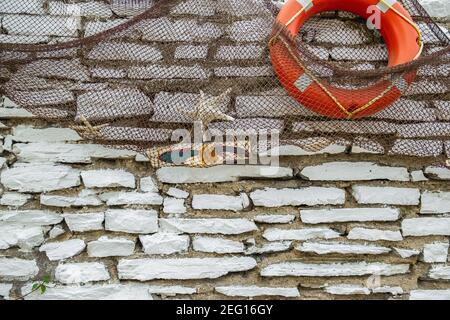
x=41, y=285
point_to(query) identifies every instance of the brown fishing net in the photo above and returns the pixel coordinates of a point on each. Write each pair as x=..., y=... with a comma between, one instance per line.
x=146, y=75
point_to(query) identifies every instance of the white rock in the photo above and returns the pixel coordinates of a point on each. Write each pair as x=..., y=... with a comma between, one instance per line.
x=217, y=245
x=81, y=272
x=129, y=291
x=22, y=236
x=311, y=196
x=439, y=173
x=341, y=248
x=23, y=133
x=174, y=206
x=407, y=253
x=108, y=178
x=439, y=272
x=187, y=268
x=255, y=291
x=275, y=234
x=110, y=247
x=349, y=214
x=14, y=199
x=82, y=222
x=436, y=8
x=208, y=226
x=270, y=247
x=387, y=289
x=418, y=176
x=430, y=294
x=274, y=218
x=346, y=289
x=131, y=221
x=31, y=217
x=374, y=234
x=177, y=193
x=15, y=113
x=63, y=250
x=426, y=227
x=386, y=195
x=129, y=198
x=5, y=289
x=40, y=178
x=170, y=291
x=148, y=184
x=56, y=231
x=435, y=202
x=66, y=202
x=217, y=202
x=17, y=269
x=222, y=173
x=354, y=171
x=300, y=269
x=435, y=252
x=164, y=243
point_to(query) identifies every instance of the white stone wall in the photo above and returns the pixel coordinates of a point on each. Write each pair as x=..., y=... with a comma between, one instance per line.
x=105, y=225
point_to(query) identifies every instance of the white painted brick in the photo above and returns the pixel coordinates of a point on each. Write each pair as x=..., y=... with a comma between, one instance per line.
x=23, y=133
x=271, y=247
x=174, y=206
x=354, y=171
x=347, y=289
x=108, y=178
x=433, y=294
x=31, y=217
x=218, y=202
x=17, y=269
x=14, y=199
x=249, y=30
x=418, y=176
x=110, y=247
x=148, y=184
x=120, y=51
x=81, y=272
x=275, y=234
x=255, y=291
x=300, y=269
x=130, y=198
x=188, y=268
x=66, y=202
x=40, y=178
x=220, y=173
x=170, y=291
x=239, y=52
x=22, y=236
x=244, y=72
x=439, y=173
x=217, y=245
x=367, y=53
x=168, y=72
x=208, y=226
x=91, y=292
x=28, y=7
x=374, y=234
x=311, y=196
x=426, y=226
x=407, y=253
x=435, y=202
x=386, y=195
x=204, y=8
x=131, y=221
x=274, y=218
x=63, y=250
x=191, y=52
x=5, y=290
x=94, y=27
x=93, y=9
x=164, y=243
x=343, y=33
x=177, y=193
x=435, y=252
x=439, y=272
x=349, y=214
x=341, y=248
x=436, y=8
x=56, y=231
x=82, y=222
x=42, y=25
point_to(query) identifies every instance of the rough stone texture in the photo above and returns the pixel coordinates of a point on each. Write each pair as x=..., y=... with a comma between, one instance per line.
x=110, y=247
x=386, y=195
x=346, y=215
x=207, y=226
x=164, y=243
x=63, y=250
x=426, y=226
x=108, y=178
x=435, y=202
x=254, y=291
x=131, y=221
x=17, y=269
x=81, y=272
x=82, y=222
x=435, y=252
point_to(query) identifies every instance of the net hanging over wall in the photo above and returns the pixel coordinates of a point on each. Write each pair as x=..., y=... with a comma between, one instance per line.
x=145, y=75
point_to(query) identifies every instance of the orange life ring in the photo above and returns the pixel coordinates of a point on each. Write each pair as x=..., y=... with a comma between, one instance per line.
x=401, y=36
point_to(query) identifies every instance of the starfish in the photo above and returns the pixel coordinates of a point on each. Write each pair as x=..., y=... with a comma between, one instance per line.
x=207, y=110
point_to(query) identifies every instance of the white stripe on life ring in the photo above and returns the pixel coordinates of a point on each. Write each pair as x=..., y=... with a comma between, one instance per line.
x=385, y=5
x=307, y=4
x=303, y=82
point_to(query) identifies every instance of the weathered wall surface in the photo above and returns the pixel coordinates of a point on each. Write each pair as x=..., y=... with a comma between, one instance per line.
x=342, y=224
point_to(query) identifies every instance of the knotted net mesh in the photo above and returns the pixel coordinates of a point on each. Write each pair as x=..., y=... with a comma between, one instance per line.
x=147, y=75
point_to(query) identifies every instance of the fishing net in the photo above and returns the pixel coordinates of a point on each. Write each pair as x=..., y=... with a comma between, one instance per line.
x=195, y=75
